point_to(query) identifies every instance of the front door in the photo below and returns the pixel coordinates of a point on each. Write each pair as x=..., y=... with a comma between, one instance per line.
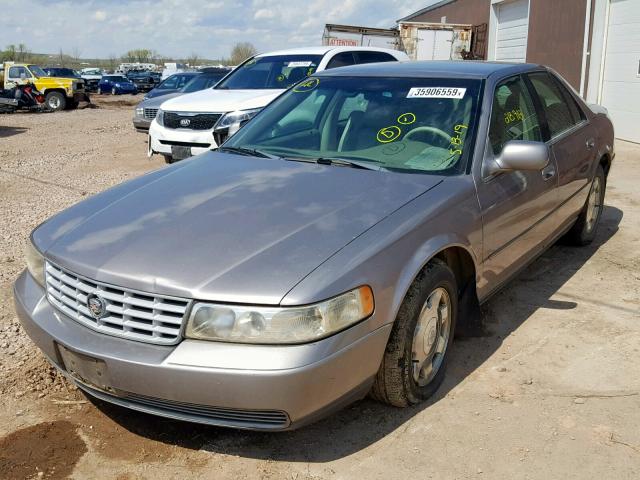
x=516, y=206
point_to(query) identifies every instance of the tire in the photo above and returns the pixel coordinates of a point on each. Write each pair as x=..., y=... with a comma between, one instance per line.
x=99, y=91
x=399, y=381
x=72, y=105
x=168, y=158
x=55, y=101
x=584, y=230
x=114, y=91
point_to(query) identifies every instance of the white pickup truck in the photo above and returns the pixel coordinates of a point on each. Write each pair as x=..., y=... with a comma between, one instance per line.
x=197, y=122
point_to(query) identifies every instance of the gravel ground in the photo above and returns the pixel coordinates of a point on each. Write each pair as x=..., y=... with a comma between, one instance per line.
x=553, y=391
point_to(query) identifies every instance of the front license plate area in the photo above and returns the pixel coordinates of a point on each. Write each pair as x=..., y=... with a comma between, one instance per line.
x=178, y=152
x=87, y=370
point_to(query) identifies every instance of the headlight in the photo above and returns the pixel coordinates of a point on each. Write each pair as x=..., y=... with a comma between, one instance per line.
x=273, y=325
x=35, y=263
x=231, y=122
x=139, y=111
x=117, y=85
x=160, y=117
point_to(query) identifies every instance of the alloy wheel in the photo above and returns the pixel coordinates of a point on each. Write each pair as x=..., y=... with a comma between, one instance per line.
x=431, y=336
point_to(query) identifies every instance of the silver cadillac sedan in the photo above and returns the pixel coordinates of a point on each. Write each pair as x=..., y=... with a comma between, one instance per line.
x=329, y=250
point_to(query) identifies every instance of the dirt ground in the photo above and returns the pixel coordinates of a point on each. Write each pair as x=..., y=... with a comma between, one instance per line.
x=553, y=391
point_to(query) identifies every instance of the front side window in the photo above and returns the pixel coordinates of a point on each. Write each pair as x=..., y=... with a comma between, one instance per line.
x=421, y=125
x=374, y=57
x=560, y=109
x=271, y=72
x=513, y=116
x=343, y=59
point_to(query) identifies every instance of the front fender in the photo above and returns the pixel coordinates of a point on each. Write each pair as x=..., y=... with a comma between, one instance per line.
x=389, y=256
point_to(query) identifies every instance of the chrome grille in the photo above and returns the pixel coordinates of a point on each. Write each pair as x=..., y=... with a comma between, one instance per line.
x=150, y=113
x=129, y=314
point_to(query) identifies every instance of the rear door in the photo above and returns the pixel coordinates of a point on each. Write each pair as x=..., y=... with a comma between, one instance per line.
x=516, y=206
x=571, y=139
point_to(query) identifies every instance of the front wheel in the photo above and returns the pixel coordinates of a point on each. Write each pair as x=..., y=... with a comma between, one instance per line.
x=114, y=91
x=55, y=101
x=99, y=91
x=415, y=359
x=584, y=230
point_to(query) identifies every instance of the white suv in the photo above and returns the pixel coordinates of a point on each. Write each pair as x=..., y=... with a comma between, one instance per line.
x=197, y=122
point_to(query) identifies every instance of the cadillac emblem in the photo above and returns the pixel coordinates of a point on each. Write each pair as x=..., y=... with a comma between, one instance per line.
x=96, y=305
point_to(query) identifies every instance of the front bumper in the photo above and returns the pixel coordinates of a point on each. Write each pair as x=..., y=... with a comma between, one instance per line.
x=162, y=139
x=81, y=97
x=255, y=387
x=141, y=124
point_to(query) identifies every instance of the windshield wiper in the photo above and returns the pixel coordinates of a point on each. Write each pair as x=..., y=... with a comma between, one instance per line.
x=341, y=162
x=252, y=152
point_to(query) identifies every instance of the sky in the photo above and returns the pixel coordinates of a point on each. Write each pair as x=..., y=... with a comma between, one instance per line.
x=180, y=28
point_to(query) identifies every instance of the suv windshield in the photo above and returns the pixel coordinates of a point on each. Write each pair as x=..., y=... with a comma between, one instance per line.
x=116, y=78
x=37, y=71
x=202, y=81
x=417, y=125
x=271, y=72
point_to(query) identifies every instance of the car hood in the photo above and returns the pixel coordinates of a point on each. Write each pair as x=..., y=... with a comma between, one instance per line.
x=224, y=227
x=155, y=102
x=219, y=100
x=161, y=93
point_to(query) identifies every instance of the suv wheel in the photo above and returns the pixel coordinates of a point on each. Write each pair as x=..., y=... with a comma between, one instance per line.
x=55, y=101
x=415, y=359
x=114, y=91
x=99, y=91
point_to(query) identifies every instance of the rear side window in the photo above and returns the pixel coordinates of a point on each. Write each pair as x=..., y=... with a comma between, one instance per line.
x=343, y=59
x=513, y=116
x=560, y=108
x=373, y=57
x=18, y=72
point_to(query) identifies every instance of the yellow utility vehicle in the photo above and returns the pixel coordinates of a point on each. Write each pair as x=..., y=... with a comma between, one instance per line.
x=59, y=93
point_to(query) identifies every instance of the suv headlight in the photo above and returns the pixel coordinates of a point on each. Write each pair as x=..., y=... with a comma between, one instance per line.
x=35, y=263
x=275, y=325
x=230, y=123
x=160, y=117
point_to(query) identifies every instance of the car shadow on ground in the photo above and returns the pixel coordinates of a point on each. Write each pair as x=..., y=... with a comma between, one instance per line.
x=10, y=131
x=367, y=421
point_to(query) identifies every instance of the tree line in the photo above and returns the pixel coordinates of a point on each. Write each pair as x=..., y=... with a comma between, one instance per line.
x=73, y=59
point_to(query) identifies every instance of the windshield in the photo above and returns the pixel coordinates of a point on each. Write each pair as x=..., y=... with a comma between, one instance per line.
x=177, y=81
x=37, y=71
x=271, y=72
x=116, y=78
x=202, y=81
x=416, y=125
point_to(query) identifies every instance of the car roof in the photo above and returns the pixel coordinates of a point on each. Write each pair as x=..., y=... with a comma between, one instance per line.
x=323, y=50
x=431, y=68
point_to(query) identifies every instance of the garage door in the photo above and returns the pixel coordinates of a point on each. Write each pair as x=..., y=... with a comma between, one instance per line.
x=621, y=81
x=512, y=27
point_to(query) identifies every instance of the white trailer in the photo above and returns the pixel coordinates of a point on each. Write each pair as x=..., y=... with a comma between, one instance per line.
x=353, y=36
x=435, y=41
x=419, y=40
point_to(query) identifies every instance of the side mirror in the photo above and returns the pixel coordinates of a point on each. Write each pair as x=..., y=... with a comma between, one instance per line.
x=520, y=155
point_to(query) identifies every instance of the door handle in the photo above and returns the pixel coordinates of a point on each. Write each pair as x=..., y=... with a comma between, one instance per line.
x=591, y=143
x=548, y=172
